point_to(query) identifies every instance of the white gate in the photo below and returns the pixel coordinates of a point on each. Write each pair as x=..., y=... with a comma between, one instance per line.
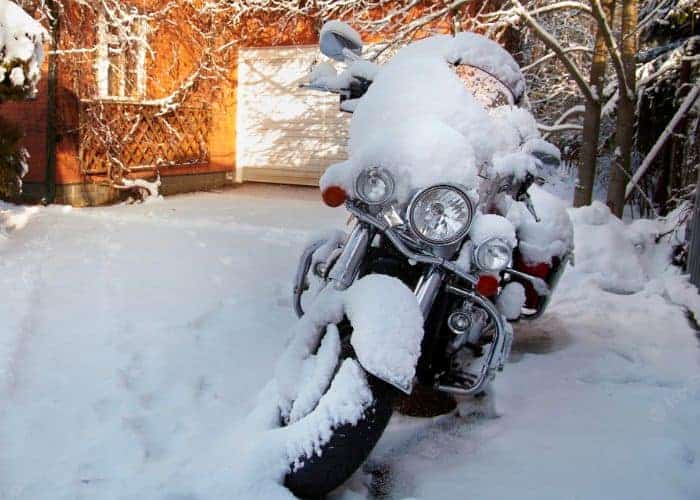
x=285, y=134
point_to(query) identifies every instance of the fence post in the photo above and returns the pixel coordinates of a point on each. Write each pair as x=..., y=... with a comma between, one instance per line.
x=694, y=243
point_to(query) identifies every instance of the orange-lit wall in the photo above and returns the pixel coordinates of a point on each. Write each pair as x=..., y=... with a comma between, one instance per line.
x=175, y=61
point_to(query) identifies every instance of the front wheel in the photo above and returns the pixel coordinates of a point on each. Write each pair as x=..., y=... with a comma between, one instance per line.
x=336, y=456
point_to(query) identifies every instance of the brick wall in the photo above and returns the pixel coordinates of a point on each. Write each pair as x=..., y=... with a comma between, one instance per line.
x=31, y=117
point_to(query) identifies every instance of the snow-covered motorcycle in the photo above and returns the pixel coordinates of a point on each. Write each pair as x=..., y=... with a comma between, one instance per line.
x=452, y=240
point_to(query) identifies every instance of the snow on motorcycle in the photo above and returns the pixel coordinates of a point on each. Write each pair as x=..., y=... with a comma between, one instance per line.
x=452, y=241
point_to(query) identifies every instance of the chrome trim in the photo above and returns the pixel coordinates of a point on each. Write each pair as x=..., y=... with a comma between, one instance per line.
x=347, y=266
x=461, y=234
x=540, y=285
x=397, y=240
x=497, y=354
x=302, y=271
x=427, y=289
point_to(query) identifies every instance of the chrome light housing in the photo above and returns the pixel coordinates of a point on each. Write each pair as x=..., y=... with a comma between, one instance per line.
x=374, y=186
x=441, y=214
x=493, y=255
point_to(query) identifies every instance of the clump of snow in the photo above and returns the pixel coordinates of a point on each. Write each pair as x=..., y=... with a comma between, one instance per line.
x=630, y=257
x=324, y=74
x=551, y=236
x=342, y=29
x=516, y=165
x=14, y=217
x=387, y=328
x=595, y=214
x=604, y=251
x=318, y=370
x=21, y=47
x=441, y=155
x=344, y=403
x=326, y=309
x=148, y=189
x=487, y=226
x=518, y=123
x=17, y=76
x=511, y=300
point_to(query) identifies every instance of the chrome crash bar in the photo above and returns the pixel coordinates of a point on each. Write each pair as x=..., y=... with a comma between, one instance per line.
x=498, y=352
x=347, y=266
x=302, y=271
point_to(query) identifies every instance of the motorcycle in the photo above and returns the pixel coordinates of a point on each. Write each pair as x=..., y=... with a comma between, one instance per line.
x=452, y=242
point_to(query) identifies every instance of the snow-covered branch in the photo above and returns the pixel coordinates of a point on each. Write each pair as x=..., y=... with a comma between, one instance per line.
x=560, y=124
x=668, y=131
x=552, y=55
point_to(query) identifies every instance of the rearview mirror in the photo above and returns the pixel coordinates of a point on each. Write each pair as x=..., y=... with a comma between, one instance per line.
x=547, y=158
x=339, y=41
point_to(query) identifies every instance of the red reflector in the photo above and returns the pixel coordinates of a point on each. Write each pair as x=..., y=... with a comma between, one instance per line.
x=334, y=196
x=540, y=269
x=487, y=285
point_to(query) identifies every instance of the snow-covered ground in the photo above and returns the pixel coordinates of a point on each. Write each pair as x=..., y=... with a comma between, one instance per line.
x=135, y=339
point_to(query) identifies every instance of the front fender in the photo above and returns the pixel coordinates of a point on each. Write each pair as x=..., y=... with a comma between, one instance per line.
x=387, y=326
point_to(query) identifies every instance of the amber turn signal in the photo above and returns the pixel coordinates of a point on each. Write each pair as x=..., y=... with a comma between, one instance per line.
x=487, y=285
x=334, y=196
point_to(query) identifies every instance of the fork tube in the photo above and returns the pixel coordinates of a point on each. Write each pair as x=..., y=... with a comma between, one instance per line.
x=427, y=289
x=347, y=266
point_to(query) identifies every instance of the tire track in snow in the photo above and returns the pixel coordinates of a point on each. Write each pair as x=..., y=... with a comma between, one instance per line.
x=24, y=305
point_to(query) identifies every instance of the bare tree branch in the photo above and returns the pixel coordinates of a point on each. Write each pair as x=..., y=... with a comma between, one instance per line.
x=555, y=47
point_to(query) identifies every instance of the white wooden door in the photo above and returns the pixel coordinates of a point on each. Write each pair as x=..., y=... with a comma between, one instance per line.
x=285, y=134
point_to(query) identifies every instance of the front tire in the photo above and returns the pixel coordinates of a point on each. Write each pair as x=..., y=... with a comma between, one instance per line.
x=347, y=449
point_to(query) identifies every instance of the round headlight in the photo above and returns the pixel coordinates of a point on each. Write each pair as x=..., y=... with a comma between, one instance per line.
x=374, y=186
x=493, y=255
x=440, y=214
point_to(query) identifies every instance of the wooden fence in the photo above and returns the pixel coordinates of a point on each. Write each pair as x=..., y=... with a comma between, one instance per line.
x=118, y=138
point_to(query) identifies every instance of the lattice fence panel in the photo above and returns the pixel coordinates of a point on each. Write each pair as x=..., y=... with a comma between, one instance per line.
x=122, y=137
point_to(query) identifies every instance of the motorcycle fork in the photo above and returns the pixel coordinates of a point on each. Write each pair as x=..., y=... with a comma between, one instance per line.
x=347, y=266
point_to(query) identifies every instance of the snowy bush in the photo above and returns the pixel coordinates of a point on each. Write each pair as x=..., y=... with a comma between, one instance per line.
x=21, y=56
x=21, y=52
x=13, y=160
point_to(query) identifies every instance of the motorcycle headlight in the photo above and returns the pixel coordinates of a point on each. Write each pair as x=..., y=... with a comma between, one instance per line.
x=493, y=255
x=374, y=186
x=440, y=214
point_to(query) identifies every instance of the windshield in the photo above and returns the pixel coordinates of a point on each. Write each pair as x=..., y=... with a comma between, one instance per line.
x=419, y=120
x=488, y=90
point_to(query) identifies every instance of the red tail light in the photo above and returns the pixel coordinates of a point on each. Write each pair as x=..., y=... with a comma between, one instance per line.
x=487, y=285
x=334, y=196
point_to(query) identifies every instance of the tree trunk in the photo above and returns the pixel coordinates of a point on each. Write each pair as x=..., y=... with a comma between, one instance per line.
x=591, y=119
x=624, y=137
